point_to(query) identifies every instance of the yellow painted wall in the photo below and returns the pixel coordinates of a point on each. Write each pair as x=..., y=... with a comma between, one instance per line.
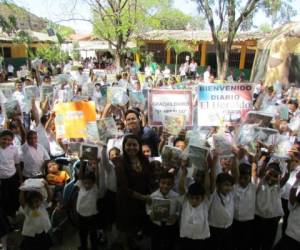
x=19, y=50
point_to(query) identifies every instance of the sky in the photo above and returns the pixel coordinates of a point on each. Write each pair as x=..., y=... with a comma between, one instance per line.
x=60, y=10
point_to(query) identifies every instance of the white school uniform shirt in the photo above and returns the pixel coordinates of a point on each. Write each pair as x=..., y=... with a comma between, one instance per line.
x=55, y=148
x=193, y=67
x=20, y=97
x=147, y=71
x=221, y=210
x=182, y=71
x=86, y=204
x=206, y=76
x=174, y=203
x=244, y=202
x=36, y=221
x=81, y=79
x=194, y=220
x=285, y=190
x=293, y=225
x=268, y=201
x=9, y=157
x=10, y=68
x=33, y=158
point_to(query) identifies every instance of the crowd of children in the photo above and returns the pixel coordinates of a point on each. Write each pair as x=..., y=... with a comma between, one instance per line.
x=223, y=202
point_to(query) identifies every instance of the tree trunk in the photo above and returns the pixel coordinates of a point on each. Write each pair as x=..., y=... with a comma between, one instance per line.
x=220, y=58
x=176, y=60
x=118, y=61
x=222, y=54
x=225, y=64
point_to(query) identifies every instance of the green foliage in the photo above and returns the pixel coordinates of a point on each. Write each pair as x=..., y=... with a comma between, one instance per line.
x=75, y=52
x=179, y=47
x=61, y=31
x=265, y=28
x=52, y=54
x=174, y=19
x=226, y=17
x=8, y=26
x=280, y=11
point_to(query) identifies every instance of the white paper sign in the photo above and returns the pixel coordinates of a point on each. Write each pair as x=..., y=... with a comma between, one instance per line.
x=162, y=102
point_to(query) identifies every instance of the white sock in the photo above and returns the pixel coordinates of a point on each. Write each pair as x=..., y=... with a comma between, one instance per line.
x=4, y=242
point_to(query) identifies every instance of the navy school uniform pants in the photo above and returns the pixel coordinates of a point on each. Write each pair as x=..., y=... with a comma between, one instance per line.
x=190, y=244
x=220, y=238
x=163, y=237
x=265, y=230
x=287, y=243
x=243, y=234
x=87, y=226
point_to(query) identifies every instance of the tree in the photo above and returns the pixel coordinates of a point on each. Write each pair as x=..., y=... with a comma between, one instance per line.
x=52, y=54
x=8, y=26
x=75, y=52
x=118, y=21
x=225, y=17
x=23, y=37
x=60, y=31
x=115, y=21
x=178, y=47
x=173, y=19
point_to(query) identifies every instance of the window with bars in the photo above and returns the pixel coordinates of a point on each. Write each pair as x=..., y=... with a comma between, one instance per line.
x=249, y=59
x=234, y=59
x=5, y=52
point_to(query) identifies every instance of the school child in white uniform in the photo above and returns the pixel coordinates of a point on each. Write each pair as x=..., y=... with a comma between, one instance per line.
x=9, y=182
x=268, y=207
x=221, y=213
x=291, y=238
x=33, y=156
x=194, y=226
x=244, y=208
x=86, y=207
x=37, y=224
x=164, y=226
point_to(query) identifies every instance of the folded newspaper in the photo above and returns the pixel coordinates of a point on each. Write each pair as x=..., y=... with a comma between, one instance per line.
x=12, y=109
x=137, y=99
x=30, y=92
x=89, y=152
x=259, y=117
x=174, y=123
x=171, y=156
x=160, y=209
x=282, y=147
x=33, y=185
x=223, y=145
x=107, y=129
x=266, y=135
x=198, y=156
x=46, y=91
x=197, y=137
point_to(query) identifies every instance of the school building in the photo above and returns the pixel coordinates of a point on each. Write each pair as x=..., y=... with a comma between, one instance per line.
x=241, y=57
x=16, y=53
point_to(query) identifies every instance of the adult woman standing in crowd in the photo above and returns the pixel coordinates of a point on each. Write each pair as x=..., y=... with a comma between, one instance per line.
x=133, y=188
x=133, y=123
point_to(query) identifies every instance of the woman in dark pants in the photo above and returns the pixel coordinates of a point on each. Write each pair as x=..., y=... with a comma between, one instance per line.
x=133, y=188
